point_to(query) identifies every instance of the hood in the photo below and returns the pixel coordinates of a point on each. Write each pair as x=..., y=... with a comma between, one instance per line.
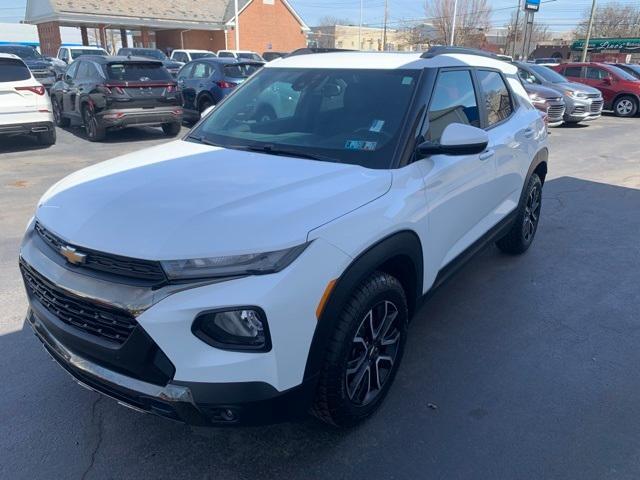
x=38, y=64
x=186, y=200
x=172, y=64
x=578, y=87
x=544, y=92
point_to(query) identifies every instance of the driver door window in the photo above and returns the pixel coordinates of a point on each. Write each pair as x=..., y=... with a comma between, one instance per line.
x=527, y=77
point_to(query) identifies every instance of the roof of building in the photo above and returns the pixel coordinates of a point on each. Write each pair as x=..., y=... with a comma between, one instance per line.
x=200, y=14
x=388, y=61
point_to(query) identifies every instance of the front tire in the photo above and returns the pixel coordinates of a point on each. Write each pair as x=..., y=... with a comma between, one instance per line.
x=626, y=106
x=60, y=120
x=364, y=352
x=171, y=129
x=525, y=225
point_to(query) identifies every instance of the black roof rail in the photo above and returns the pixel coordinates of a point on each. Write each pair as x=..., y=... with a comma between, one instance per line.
x=444, y=50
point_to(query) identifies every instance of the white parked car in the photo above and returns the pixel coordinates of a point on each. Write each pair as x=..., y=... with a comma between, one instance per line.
x=185, y=56
x=25, y=107
x=262, y=267
x=241, y=55
x=68, y=54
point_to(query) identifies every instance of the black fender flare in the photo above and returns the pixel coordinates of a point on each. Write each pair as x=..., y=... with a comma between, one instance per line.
x=538, y=164
x=405, y=243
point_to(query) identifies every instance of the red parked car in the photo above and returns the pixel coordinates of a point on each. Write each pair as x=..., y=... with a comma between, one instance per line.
x=620, y=89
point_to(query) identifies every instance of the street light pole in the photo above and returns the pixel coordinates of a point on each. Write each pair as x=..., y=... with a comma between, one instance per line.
x=586, y=41
x=237, y=28
x=453, y=22
x=384, y=34
x=515, y=35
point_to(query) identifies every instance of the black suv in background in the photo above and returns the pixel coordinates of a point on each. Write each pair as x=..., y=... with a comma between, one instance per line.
x=109, y=93
x=41, y=67
x=154, y=54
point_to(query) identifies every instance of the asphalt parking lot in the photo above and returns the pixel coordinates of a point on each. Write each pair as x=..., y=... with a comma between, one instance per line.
x=518, y=368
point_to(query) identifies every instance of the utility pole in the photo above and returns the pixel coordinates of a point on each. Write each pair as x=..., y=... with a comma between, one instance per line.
x=384, y=32
x=586, y=41
x=237, y=27
x=360, y=27
x=453, y=22
x=515, y=35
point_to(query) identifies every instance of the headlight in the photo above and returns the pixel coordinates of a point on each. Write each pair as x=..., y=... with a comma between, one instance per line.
x=241, y=328
x=249, y=264
x=537, y=100
x=574, y=94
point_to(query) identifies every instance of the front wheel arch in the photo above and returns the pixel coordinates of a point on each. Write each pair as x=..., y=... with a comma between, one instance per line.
x=400, y=255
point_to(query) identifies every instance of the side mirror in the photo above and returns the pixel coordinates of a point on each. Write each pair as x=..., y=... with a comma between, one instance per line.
x=607, y=81
x=207, y=111
x=457, y=139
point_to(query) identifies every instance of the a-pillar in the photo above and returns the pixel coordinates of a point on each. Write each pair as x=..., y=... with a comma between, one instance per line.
x=123, y=38
x=84, y=35
x=145, y=37
x=49, y=35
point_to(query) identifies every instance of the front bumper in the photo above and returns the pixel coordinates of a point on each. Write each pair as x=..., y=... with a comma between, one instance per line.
x=26, y=128
x=582, y=109
x=199, y=404
x=121, y=118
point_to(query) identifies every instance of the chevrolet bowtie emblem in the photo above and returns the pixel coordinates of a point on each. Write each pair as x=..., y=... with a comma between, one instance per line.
x=72, y=255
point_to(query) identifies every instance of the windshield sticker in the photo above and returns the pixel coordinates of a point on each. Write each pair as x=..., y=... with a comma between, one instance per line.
x=360, y=145
x=376, y=126
x=407, y=80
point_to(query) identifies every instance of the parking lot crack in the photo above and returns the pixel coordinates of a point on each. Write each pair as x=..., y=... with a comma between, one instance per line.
x=96, y=418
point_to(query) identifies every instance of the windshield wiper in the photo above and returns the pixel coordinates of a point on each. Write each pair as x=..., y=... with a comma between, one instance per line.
x=279, y=151
x=203, y=140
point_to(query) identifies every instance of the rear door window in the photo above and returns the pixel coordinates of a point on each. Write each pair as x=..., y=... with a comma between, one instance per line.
x=453, y=101
x=137, y=72
x=201, y=70
x=572, y=72
x=497, y=100
x=13, y=70
x=240, y=70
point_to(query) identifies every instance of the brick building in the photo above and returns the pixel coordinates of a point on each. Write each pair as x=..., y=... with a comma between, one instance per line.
x=202, y=24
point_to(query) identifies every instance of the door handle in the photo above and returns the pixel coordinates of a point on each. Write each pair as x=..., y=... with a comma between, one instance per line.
x=487, y=154
x=528, y=133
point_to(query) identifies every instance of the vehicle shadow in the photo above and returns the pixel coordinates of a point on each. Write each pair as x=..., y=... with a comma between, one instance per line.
x=20, y=143
x=508, y=366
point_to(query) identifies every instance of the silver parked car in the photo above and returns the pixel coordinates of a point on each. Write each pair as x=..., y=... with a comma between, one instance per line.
x=582, y=102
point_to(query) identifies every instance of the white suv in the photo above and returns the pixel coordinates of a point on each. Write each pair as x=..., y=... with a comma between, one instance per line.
x=185, y=56
x=240, y=55
x=262, y=267
x=25, y=106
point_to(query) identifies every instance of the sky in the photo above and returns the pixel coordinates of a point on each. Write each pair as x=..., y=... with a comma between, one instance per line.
x=560, y=15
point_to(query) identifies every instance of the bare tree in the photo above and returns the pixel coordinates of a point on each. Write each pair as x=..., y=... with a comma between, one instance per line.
x=515, y=32
x=417, y=36
x=330, y=21
x=614, y=19
x=472, y=20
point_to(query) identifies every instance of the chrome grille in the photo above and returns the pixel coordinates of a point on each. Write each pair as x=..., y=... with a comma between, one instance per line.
x=555, y=112
x=105, y=262
x=596, y=106
x=109, y=323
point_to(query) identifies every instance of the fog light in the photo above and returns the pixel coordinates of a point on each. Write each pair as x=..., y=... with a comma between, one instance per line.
x=240, y=329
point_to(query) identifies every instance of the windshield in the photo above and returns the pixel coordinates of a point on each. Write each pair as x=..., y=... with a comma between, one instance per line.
x=25, y=53
x=622, y=74
x=548, y=74
x=78, y=52
x=249, y=56
x=137, y=72
x=197, y=55
x=241, y=70
x=341, y=115
x=152, y=53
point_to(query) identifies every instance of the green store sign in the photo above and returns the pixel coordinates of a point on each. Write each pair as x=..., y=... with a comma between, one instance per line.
x=625, y=45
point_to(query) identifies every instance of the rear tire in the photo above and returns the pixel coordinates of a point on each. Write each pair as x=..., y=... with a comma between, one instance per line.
x=204, y=103
x=525, y=225
x=47, y=138
x=171, y=129
x=61, y=121
x=364, y=353
x=625, y=106
x=94, y=131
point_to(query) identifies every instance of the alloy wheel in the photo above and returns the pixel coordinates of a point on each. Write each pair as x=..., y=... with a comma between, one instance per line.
x=56, y=111
x=531, y=214
x=624, y=107
x=90, y=123
x=373, y=353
